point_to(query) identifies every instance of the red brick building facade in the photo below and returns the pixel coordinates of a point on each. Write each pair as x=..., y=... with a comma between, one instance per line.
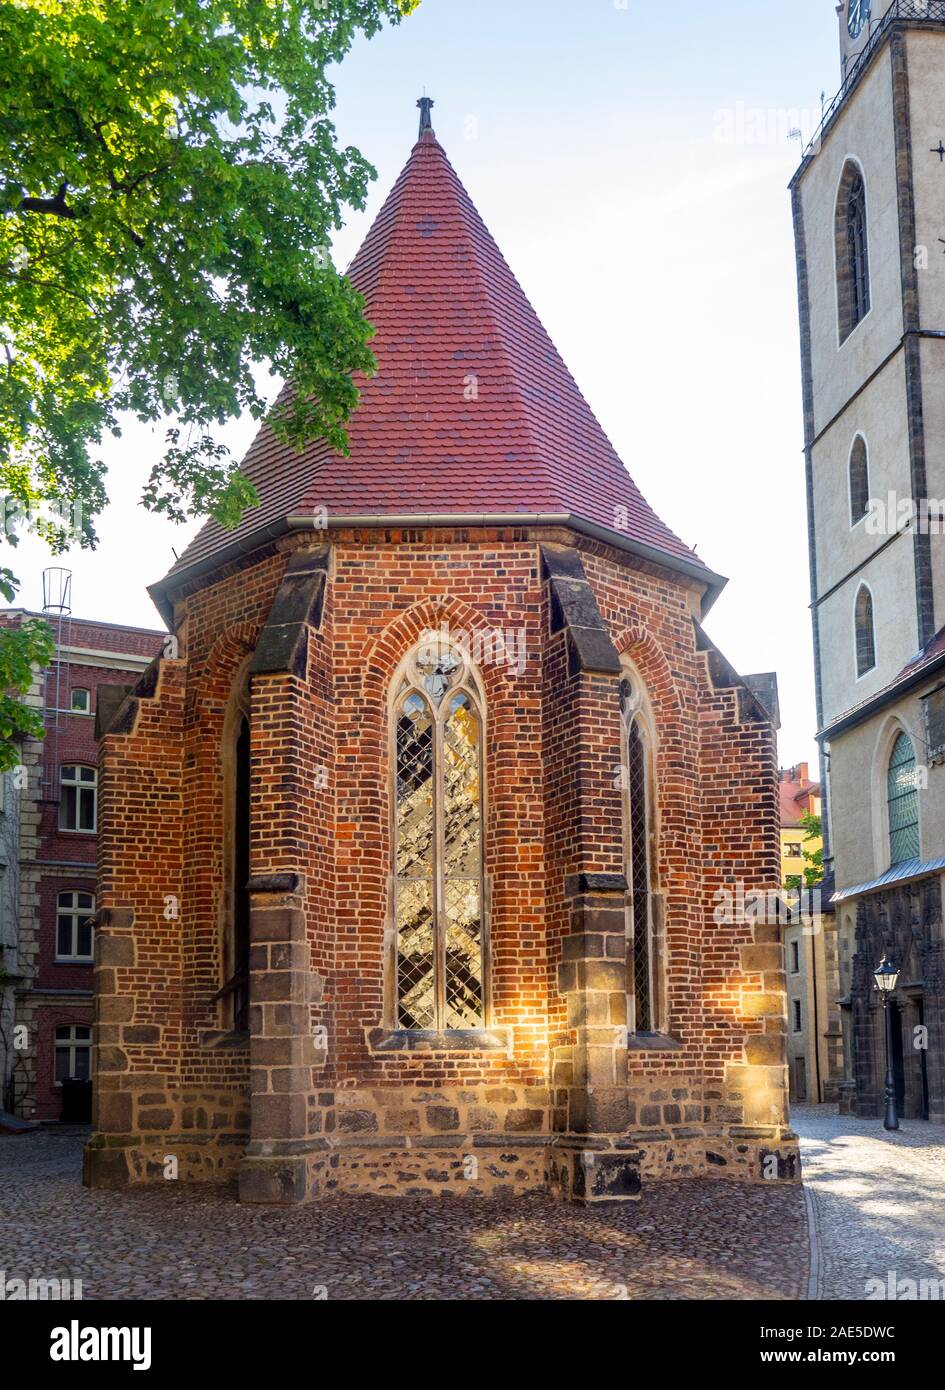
x=54, y=798
x=412, y=853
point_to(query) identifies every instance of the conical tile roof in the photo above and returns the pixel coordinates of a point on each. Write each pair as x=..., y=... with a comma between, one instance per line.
x=472, y=413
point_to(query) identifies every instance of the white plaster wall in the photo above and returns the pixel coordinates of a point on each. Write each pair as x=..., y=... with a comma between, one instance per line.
x=925, y=50
x=891, y=578
x=879, y=414
x=865, y=132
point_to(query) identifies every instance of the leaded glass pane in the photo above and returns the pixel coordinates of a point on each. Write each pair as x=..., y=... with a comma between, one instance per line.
x=865, y=633
x=415, y=824
x=461, y=792
x=416, y=983
x=463, y=964
x=903, y=793
x=640, y=880
x=438, y=852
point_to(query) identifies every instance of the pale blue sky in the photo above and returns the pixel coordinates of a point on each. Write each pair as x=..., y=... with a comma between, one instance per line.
x=632, y=163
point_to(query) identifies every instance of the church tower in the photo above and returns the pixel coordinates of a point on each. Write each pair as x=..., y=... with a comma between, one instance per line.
x=869, y=218
x=434, y=851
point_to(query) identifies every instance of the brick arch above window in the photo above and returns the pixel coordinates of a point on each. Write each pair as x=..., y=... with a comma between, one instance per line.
x=382, y=654
x=213, y=681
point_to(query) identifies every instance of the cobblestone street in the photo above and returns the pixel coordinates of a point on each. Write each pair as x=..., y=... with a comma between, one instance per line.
x=686, y=1240
x=878, y=1201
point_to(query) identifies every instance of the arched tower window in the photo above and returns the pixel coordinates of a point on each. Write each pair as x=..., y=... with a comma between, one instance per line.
x=859, y=480
x=852, y=248
x=865, y=632
x=640, y=848
x=439, y=973
x=902, y=799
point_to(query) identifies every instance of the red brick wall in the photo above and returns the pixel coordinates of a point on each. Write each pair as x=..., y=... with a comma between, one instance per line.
x=553, y=804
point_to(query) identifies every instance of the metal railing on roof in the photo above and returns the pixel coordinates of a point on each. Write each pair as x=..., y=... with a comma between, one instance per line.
x=928, y=10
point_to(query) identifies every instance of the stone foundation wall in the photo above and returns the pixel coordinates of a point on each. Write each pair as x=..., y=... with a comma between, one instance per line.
x=205, y=1131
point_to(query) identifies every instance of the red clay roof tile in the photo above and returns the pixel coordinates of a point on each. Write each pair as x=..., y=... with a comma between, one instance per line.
x=472, y=410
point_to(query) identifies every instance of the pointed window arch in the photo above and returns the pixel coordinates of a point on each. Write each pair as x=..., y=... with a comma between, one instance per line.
x=865, y=632
x=859, y=480
x=439, y=973
x=640, y=848
x=902, y=800
x=852, y=250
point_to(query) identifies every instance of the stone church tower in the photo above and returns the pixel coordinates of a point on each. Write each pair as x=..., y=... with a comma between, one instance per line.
x=424, y=848
x=869, y=217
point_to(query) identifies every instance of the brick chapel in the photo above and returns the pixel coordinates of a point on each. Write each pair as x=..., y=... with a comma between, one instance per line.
x=412, y=843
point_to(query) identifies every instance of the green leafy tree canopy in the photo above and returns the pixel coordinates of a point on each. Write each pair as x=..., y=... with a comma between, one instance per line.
x=170, y=179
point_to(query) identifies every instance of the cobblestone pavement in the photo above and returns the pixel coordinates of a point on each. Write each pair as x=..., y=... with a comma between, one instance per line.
x=878, y=1200
x=703, y=1239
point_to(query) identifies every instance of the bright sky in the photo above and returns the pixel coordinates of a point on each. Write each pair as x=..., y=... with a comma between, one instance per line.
x=631, y=161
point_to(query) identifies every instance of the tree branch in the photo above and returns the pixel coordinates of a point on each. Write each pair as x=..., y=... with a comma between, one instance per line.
x=51, y=207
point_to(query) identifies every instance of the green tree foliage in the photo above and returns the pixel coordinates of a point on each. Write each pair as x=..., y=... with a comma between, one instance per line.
x=169, y=182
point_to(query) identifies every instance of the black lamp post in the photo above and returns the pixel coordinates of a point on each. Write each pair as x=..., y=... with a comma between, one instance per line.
x=886, y=976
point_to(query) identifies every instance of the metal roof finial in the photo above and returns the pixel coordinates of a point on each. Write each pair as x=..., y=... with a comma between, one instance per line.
x=426, y=105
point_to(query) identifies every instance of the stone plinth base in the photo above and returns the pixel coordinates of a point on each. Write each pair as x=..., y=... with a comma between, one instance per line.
x=115, y=1161
x=273, y=1179
x=588, y=1174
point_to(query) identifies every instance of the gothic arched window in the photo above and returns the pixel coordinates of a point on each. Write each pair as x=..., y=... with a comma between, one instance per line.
x=865, y=633
x=852, y=246
x=646, y=965
x=902, y=799
x=439, y=974
x=859, y=481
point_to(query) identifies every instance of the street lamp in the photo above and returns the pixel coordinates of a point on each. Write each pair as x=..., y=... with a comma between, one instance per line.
x=886, y=976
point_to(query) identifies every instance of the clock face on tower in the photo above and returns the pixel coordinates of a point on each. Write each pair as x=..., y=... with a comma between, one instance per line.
x=859, y=13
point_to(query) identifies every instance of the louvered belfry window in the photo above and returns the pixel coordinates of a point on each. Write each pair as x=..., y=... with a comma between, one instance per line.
x=856, y=249
x=903, y=802
x=643, y=900
x=852, y=251
x=438, y=850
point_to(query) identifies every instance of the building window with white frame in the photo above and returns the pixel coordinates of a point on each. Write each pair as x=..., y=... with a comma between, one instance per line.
x=75, y=928
x=73, y=1053
x=78, y=798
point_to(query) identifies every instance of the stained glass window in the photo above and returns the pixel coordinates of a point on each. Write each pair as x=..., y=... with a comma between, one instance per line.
x=903, y=802
x=438, y=844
